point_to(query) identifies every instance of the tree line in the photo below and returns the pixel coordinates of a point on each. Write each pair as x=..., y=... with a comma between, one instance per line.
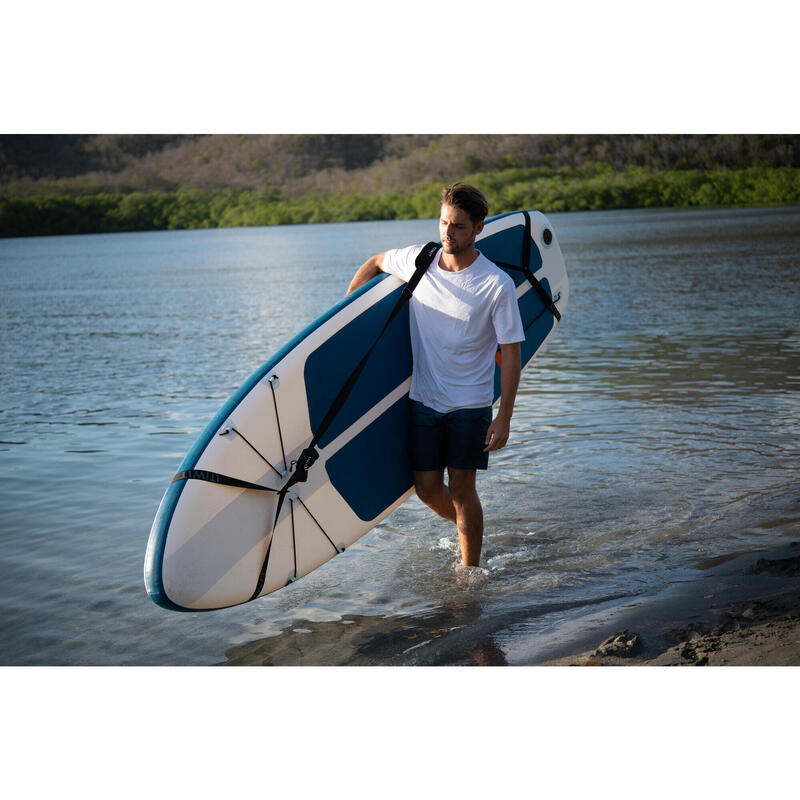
x=590, y=187
x=359, y=164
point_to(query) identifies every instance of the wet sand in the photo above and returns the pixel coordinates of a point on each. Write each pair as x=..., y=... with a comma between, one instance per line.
x=735, y=610
x=742, y=611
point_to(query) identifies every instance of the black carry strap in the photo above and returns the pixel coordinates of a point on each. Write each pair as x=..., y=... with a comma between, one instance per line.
x=307, y=458
x=525, y=269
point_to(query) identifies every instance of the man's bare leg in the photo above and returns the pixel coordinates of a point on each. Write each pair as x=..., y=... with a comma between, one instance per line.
x=469, y=514
x=431, y=489
x=458, y=503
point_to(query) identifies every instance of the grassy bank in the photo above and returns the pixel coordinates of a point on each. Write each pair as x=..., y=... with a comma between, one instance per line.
x=593, y=187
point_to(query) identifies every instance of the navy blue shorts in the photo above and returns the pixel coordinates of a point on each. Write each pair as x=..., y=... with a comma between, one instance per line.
x=455, y=439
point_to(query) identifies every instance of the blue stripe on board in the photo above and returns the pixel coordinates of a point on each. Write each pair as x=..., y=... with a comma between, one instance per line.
x=370, y=477
x=329, y=366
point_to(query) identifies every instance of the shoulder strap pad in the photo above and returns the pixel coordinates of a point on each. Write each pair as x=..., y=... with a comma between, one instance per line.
x=422, y=262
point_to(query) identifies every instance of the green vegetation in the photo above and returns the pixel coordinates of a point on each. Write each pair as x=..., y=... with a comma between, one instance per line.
x=591, y=188
x=86, y=183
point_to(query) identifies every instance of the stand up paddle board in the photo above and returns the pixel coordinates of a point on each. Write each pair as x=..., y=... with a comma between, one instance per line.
x=231, y=528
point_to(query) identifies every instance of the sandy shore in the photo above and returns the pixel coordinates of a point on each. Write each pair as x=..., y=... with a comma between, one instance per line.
x=741, y=611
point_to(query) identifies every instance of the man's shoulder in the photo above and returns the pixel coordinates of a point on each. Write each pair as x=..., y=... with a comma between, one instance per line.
x=404, y=253
x=488, y=264
x=402, y=261
x=494, y=272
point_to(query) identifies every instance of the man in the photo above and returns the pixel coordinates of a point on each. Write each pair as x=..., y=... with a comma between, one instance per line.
x=462, y=308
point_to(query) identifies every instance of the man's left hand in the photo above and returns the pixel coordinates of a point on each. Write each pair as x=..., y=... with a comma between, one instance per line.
x=497, y=435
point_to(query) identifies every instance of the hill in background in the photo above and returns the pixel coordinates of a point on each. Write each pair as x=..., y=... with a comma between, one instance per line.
x=62, y=184
x=336, y=164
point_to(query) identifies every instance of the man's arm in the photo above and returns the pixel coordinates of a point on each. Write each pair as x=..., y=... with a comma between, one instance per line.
x=511, y=365
x=366, y=272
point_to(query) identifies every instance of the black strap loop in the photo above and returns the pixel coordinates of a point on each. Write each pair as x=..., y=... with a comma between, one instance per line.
x=525, y=269
x=216, y=477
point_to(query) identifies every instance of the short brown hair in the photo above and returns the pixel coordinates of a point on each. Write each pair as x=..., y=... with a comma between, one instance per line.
x=467, y=198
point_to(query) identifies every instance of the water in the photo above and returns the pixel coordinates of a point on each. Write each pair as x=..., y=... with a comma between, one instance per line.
x=660, y=426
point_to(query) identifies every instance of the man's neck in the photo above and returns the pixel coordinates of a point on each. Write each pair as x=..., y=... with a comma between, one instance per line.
x=455, y=262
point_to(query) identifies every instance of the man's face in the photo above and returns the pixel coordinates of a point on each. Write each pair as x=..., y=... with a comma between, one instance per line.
x=457, y=231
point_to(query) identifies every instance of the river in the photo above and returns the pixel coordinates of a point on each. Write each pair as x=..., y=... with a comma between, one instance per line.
x=658, y=429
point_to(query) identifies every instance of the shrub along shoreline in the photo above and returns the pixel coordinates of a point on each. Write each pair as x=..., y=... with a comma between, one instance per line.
x=594, y=187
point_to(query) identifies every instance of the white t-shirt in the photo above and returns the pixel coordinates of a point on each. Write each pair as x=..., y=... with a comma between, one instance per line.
x=457, y=321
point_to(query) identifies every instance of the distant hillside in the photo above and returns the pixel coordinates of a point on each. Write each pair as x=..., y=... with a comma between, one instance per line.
x=92, y=184
x=300, y=165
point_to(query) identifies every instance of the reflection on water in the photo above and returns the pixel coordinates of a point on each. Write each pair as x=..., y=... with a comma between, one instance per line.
x=460, y=633
x=659, y=426
x=357, y=640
